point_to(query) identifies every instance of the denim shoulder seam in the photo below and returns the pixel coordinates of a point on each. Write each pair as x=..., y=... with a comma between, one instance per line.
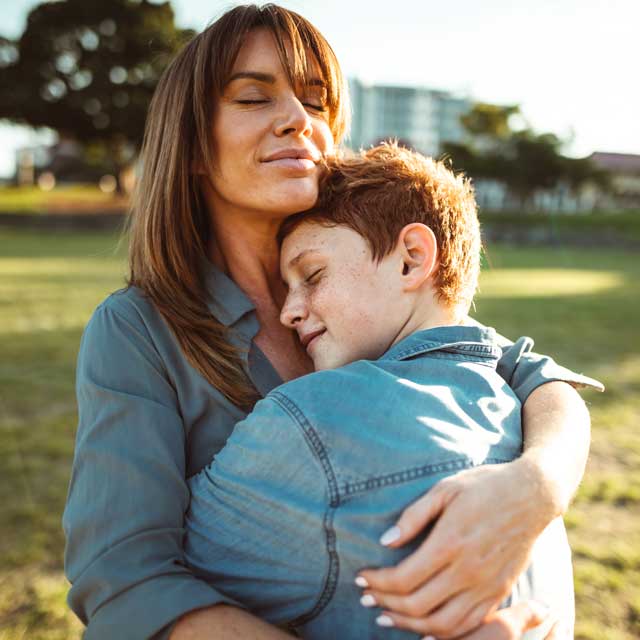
x=314, y=442
x=406, y=475
x=454, y=356
x=488, y=351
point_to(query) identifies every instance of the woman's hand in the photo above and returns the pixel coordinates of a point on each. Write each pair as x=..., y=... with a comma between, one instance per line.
x=511, y=623
x=488, y=520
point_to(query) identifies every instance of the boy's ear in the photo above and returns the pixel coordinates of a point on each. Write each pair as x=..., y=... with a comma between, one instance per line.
x=419, y=252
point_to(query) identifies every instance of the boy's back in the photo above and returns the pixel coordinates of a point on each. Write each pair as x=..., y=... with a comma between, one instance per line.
x=294, y=505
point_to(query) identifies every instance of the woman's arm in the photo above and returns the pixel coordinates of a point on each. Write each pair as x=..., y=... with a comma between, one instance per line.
x=489, y=517
x=128, y=494
x=222, y=622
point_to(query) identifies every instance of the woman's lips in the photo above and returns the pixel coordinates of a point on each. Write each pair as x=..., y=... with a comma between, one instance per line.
x=293, y=164
x=297, y=159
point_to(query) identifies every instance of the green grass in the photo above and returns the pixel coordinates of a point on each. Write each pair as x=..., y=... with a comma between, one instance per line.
x=582, y=306
x=77, y=197
x=614, y=227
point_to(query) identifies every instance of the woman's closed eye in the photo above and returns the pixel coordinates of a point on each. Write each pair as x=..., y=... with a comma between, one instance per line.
x=315, y=100
x=315, y=106
x=320, y=108
x=252, y=101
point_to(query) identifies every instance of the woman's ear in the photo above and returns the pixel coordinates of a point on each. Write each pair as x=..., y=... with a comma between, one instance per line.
x=419, y=252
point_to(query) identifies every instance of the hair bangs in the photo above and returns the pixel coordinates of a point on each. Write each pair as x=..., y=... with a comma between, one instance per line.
x=302, y=50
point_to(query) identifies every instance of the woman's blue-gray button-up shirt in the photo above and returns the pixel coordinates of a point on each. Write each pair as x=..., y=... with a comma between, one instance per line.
x=147, y=421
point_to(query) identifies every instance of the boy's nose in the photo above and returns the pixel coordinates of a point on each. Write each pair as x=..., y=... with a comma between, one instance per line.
x=293, y=312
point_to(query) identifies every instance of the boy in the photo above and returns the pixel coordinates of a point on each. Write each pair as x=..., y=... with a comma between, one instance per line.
x=380, y=276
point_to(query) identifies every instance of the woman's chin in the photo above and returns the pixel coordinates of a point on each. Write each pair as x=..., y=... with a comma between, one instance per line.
x=293, y=198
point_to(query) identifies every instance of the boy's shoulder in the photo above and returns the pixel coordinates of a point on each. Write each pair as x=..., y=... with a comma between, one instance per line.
x=422, y=357
x=318, y=386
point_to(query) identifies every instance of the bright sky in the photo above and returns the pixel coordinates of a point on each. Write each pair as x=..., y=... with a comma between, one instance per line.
x=572, y=65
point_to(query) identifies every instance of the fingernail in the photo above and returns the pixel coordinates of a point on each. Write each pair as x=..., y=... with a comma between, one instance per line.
x=429, y=638
x=390, y=535
x=539, y=608
x=368, y=600
x=384, y=621
x=362, y=582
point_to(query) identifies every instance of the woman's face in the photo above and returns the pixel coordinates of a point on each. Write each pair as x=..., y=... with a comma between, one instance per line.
x=269, y=136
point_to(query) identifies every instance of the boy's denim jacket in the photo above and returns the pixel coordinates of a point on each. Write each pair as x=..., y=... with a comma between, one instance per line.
x=294, y=505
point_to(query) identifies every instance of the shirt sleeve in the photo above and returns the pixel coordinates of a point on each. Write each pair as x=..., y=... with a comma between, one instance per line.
x=128, y=494
x=256, y=524
x=524, y=370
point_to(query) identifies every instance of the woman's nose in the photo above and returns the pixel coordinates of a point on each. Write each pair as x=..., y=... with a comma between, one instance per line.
x=293, y=119
x=293, y=311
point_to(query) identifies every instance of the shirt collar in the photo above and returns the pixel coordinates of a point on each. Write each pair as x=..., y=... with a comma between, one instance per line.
x=227, y=302
x=477, y=341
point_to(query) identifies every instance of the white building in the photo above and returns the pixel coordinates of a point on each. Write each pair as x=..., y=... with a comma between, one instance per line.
x=420, y=117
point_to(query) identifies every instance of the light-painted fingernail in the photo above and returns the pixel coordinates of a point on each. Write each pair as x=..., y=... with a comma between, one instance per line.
x=362, y=582
x=384, y=621
x=368, y=600
x=390, y=535
x=429, y=638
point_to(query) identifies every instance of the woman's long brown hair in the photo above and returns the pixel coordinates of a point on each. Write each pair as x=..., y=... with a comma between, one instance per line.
x=169, y=228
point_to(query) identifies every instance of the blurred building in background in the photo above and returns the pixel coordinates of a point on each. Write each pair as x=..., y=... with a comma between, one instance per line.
x=624, y=172
x=419, y=117
x=427, y=119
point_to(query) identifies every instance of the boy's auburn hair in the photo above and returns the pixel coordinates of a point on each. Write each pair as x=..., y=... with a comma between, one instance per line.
x=378, y=191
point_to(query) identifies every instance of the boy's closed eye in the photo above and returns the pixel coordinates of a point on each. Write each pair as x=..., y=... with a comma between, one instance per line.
x=314, y=276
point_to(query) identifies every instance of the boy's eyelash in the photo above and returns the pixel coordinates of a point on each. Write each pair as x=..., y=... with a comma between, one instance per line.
x=251, y=101
x=312, y=276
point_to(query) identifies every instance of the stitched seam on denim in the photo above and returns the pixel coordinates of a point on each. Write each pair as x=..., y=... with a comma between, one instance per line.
x=425, y=347
x=457, y=357
x=317, y=448
x=461, y=357
x=399, y=477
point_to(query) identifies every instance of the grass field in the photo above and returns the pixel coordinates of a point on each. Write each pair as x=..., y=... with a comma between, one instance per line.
x=583, y=306
x=62, y=199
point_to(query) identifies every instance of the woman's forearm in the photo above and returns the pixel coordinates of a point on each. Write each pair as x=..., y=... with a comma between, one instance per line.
x=224, y=622
x=556, y=430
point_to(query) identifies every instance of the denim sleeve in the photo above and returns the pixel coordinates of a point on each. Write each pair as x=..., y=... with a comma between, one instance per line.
x=524, y=371
x=256, y=525
x=128, y=494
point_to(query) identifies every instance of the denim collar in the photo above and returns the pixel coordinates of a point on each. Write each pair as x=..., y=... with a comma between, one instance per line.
x=479, y=342
x=227, y=302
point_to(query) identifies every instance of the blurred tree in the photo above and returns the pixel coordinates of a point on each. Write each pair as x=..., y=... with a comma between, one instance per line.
x=88, y=69
x=536, y=163
x=502, y=147
x=490, y=121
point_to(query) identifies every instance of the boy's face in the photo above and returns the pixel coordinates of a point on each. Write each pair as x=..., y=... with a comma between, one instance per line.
x=344, y=305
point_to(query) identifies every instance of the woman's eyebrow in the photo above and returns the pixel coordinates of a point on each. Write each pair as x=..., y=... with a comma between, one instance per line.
x=269, y=78
x=253, y=75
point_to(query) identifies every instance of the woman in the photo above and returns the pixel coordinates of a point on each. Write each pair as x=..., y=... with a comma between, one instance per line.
x=236, y=130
